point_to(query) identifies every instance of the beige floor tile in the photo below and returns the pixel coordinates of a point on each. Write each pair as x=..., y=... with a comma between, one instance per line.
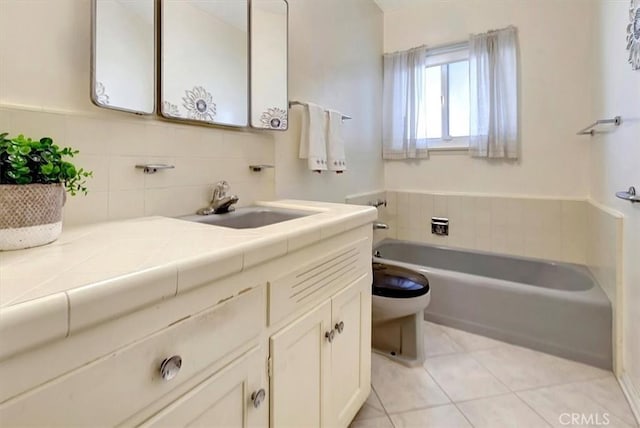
x=596, y=403
x=437, y=342
x=463, y=378
x=608, y=394
x=521, y=368
x=372, y=408
x=469, y=341
x=436, y=417
x=380, y=422
x=504, y=411
x=401, y=388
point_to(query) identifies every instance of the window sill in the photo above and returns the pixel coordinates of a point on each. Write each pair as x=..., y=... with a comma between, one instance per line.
x=449, y=149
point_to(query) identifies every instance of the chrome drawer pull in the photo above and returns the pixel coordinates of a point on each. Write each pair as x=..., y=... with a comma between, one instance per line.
x=257, y=397
x=170, y=367
x=330, y=335
x=340, y=326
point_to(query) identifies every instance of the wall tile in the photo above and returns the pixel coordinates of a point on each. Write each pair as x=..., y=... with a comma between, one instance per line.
x=574, y=231
x=550, y=229
x=112, y=144
x=81, y=209
x=402, y=202
x=126, y=204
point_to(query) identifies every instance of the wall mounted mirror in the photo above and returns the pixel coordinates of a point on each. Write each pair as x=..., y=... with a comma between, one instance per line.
x=269, y=99
x=123, y=55
x=204, y=65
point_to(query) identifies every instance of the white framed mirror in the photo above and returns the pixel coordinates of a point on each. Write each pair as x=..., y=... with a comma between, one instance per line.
x=123, y=55
x=269, y=64
x=205, y=61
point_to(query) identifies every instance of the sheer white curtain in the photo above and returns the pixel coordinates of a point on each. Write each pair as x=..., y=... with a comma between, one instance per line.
x=493, y=77
x=403, y=102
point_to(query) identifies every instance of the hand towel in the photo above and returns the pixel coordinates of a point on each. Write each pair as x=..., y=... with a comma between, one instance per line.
x=313, y=145
x=336, y=159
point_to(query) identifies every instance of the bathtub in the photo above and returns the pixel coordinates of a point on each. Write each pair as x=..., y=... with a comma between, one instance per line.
x=552, y=307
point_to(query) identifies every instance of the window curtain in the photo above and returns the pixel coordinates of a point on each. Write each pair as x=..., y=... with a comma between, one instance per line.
x=493, y=80
x=403, y=102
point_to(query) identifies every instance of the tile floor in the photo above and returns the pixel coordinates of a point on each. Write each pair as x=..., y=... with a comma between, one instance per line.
x=473, y=381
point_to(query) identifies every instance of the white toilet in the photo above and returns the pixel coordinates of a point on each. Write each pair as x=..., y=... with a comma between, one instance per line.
x=400, y=296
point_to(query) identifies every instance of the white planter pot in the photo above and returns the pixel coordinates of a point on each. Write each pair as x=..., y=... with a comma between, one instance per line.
x=30, y=214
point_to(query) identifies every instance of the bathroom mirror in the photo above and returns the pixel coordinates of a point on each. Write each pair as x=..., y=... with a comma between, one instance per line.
x=269, y=99
x=204, y=61
x=123, y=55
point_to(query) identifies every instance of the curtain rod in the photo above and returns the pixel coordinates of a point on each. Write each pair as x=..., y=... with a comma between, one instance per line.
x=454, y=45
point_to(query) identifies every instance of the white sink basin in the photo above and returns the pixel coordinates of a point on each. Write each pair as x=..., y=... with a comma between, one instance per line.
x=249, y=217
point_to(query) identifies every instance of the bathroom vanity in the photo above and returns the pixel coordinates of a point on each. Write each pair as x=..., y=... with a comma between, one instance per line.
x=166, y=322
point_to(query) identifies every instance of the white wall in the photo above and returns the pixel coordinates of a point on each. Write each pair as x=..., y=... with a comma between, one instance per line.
x=554, y=59
x=615, y=161
x=335, y=60
x=44, y=91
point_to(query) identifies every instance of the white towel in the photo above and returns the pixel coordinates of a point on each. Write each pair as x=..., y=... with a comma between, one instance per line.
x=313, y=145
x=335, y=143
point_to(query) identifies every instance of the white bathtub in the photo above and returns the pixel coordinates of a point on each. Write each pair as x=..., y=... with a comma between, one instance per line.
x=548, y=306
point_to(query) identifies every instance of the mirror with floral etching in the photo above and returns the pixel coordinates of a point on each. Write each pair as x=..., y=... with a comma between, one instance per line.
x=204, y=61
x=269, y=103
x=123, y=55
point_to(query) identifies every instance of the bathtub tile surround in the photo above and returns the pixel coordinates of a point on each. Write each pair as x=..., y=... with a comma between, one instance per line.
x=111, y=144
x=528, y=387
x=544, y=228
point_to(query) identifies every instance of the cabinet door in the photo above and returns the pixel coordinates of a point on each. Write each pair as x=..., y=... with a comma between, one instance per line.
x=224, y=399
x=300, y=356
x=350, y=350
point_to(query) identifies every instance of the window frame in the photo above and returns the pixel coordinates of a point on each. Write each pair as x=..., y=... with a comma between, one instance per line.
x=440, y=57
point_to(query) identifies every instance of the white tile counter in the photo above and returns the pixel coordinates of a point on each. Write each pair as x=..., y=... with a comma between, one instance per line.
x=101, y=271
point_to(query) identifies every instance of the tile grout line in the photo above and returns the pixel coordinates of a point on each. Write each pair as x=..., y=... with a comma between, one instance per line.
x=534, y=410
x=384, y=409
x=447, y=395
x=539, y=386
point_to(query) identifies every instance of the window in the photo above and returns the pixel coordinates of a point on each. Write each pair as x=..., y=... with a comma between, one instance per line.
x=444, y=117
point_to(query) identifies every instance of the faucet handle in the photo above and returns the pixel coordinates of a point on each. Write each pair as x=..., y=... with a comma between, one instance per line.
x=220, y=191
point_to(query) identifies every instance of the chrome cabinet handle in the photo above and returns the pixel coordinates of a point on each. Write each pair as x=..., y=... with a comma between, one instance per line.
x=340, y=326
x=257, y=397
x=330, y=335
x=170, y=367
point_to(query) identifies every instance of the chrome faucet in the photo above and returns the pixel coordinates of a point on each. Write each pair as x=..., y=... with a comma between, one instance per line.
x=220, y=202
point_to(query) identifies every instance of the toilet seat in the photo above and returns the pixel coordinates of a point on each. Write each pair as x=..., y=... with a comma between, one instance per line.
x=398, y=282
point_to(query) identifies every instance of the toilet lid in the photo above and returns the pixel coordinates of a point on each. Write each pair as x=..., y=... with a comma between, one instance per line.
x=398, y=282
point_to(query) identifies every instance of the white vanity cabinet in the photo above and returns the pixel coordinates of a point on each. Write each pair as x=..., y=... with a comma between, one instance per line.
x=282, y=343
x=128, y=385
x=320, y=364
x=233, y=397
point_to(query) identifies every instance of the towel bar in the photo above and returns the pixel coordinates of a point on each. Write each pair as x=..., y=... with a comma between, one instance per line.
x=299, y=103
x=629, y=195
x=590, y=130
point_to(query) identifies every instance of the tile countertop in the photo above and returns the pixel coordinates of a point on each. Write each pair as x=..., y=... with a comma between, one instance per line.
x=91, y=263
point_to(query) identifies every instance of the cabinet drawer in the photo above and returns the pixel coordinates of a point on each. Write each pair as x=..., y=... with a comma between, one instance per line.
x=318, y=279
x=108, y=390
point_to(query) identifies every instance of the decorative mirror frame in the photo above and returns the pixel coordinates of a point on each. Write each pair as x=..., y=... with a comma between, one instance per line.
x=633, y=34
x=274, y=111
x=197, y=91
x=96, y=89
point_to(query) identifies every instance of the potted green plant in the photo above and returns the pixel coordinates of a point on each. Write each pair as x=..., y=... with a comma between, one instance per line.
x=34, y=175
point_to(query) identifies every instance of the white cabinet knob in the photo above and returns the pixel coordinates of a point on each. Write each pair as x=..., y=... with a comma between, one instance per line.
x=170, y=367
